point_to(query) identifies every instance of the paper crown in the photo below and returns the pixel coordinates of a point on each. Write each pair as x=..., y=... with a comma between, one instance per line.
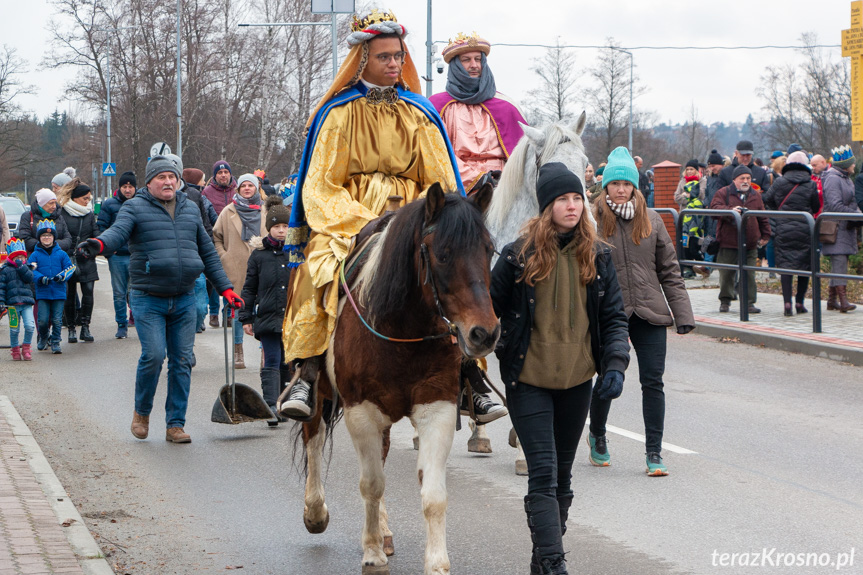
x=260, y=174
x=376, y=16
x=842, y=153
x=46, y=225
x=464, y=43
x=15, y=248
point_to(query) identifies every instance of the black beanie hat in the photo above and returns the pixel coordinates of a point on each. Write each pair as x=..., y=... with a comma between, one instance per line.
x=692, y=164
x=128, y=178
x=555, y=180
x=740, y=170
x=715, y=158
x=80, y=191
x=277, y=213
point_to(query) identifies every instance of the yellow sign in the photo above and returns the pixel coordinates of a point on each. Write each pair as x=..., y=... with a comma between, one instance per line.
x=857, y=13
x=852, y=45
x=852, y=42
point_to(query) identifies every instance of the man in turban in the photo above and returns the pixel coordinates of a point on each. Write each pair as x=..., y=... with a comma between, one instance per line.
x=372, y=136
x=481, y=122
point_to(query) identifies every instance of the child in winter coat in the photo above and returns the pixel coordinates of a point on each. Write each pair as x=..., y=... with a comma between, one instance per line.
x=266, y=296
x=53, y=267
x=16, y=293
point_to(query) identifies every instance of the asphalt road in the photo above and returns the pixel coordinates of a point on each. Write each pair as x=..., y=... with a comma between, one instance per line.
x=776, y=465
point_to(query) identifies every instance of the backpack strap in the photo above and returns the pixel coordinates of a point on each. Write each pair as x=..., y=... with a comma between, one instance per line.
x=788, y=196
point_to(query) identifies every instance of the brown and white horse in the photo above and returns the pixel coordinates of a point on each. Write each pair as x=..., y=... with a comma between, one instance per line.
x=427, y=274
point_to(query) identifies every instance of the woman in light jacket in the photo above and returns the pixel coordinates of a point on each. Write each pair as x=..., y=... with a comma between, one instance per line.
x=839, y=197
x=650, y=280
x=237, y=225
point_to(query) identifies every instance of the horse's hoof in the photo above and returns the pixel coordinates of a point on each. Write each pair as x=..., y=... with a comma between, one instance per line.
x=513, y=438
x=316, y=527
x=479, y=445
x=416, y=443
x=521, y=467
x=389, y=547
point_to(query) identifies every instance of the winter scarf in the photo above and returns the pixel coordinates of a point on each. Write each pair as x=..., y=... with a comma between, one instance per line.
x=272, y=243
x=249, y=211
x=77, y=210
x=624, y=211
x=469, y=90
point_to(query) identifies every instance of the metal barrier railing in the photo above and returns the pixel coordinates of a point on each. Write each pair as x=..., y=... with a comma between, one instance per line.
x=815, y=274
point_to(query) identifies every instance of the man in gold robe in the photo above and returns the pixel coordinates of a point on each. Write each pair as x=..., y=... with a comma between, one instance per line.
x=372, y=136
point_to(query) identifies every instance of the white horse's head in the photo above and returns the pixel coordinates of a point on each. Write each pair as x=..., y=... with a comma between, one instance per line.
x=514, y=200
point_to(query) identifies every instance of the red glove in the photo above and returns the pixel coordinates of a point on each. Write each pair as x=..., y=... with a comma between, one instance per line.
x=233, y=299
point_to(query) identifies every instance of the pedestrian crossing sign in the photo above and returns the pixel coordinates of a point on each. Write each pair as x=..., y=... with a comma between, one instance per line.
x=109, y=169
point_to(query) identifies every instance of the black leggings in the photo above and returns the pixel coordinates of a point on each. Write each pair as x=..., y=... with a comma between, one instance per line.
x=73, y=318
x=802, y=286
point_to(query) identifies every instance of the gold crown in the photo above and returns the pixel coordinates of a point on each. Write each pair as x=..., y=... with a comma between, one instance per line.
x=464, y=43
x=375, y=17
x=463, y=38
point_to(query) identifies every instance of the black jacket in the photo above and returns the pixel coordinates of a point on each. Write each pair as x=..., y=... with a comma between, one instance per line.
x=30, y=220
x=515, y=303
x=81, y=228
x=759, y=175
x=168, y=254
x=791, y=237
x=107, y=215
x=266, y=290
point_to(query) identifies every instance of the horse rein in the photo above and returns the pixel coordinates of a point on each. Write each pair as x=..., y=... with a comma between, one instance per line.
x=429, y=279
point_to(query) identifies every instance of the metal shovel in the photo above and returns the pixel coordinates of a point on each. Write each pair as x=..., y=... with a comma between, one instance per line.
x=237, y=402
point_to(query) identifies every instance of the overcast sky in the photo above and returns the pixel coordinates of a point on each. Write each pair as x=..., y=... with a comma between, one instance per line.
x=721, y=84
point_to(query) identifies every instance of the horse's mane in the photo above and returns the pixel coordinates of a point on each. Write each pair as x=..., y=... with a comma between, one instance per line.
x=389, y=275
x=523, y=164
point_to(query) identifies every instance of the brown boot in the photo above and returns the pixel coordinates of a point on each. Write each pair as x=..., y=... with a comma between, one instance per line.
x=844, y=306
x=239, y=362
x=140, y=425
x=177, y=435
x=832, y=304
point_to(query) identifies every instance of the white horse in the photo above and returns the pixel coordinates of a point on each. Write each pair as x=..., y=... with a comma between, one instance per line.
x=514, y=203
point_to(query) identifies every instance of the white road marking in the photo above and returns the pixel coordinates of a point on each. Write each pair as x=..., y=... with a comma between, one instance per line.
x=640, y=438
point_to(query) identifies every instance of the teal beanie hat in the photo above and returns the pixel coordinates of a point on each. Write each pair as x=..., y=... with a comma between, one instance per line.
x=620, y=167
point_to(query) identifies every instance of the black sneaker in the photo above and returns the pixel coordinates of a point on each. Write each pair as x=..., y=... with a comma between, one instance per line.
x=122, y=331
x=55, y=348
x=299, y=402
x=41, y=343
x=484, y=408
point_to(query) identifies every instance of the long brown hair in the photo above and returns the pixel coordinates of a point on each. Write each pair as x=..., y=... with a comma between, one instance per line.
x=540, y=248
x=606, y=220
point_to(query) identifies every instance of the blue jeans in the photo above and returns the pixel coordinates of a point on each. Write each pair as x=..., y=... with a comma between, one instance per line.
x=770, y=250
x=549, y=423
x=238, y=328
x=25, y=317
x=164, y=323
x=201, y=300
x=119, y=267
x=213, y=301
x=50, y=313
x=273, y=350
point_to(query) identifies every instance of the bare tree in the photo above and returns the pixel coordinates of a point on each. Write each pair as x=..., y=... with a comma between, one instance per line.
x=694, y=137
x=609, y=97
x=809, y=103
x=554, y=98
x=13, y=153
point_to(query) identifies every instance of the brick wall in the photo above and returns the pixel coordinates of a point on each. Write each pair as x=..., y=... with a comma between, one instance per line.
x=666, y=176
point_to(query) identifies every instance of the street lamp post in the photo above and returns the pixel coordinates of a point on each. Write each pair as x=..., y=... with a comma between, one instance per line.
x=429, y=50
x=179, y=105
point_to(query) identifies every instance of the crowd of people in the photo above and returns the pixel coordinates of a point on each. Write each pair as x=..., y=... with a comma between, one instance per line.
x=571, y=294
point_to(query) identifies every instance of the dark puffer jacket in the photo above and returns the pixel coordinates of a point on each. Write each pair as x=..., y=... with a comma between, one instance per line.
x=266, y=290
x=16, y=285
x=107, y=215
x=208, y=212
x=27, y=228
x=759, y=175
x=791, y=237
x=515, y=303
x=168, y=254
x=81, y=228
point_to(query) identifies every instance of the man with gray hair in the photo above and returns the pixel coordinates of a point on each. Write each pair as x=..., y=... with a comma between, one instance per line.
x=170, y=249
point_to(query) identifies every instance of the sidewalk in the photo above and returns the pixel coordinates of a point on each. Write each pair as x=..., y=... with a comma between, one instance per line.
x=841, y=338
x=40, y=529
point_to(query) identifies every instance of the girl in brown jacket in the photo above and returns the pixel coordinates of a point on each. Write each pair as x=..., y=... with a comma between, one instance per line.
x=649, y=276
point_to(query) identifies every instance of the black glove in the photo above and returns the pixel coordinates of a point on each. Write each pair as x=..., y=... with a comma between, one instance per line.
x=57, y=278
x=89, y=249
x=611, y=386
x=684, y=329
x=44, y=280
